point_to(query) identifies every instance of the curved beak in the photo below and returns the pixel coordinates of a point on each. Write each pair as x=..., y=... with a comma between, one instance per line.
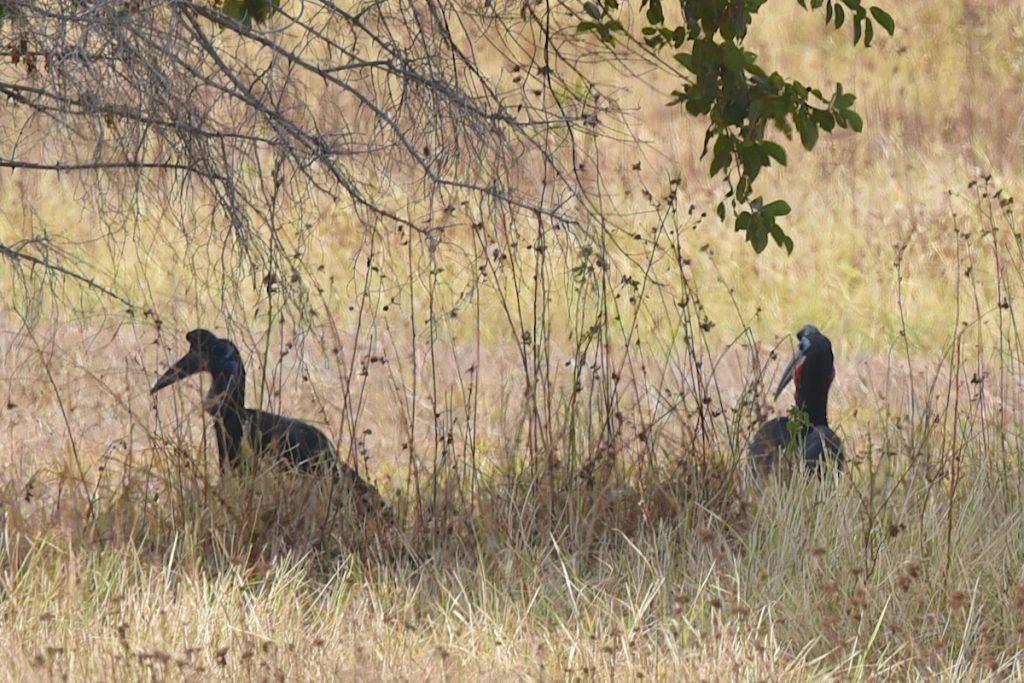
x=188, y=365
x=787, y=376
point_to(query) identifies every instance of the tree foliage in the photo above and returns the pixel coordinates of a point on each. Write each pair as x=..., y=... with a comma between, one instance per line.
x=722, y=82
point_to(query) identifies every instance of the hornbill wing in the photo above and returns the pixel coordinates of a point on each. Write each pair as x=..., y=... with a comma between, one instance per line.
x=309, y=449
x=820, y=445
x=768, y=446
x=298, y=442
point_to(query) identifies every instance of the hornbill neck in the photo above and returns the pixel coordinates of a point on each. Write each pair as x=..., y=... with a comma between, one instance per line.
x=812, y=398
x=812, y=371
x=225, y=401
x=226, y=396
x=813, y=376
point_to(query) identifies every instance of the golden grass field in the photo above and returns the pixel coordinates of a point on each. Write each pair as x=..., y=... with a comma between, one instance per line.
x=534, y=546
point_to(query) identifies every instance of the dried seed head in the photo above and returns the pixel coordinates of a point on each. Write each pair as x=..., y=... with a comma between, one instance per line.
x=705, y=535
x=829, y=585
x=1018, y=597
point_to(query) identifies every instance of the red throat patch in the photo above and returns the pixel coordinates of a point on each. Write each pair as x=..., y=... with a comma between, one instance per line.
x=797, y=371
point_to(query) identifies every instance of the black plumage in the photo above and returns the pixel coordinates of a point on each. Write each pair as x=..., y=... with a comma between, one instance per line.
x=782, y=441
x=239, y=429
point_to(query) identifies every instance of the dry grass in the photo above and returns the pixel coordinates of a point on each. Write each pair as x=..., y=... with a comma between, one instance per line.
x=802, y=588
x=535, y=540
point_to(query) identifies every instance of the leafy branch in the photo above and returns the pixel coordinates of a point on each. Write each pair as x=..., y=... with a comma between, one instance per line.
x=723, y=83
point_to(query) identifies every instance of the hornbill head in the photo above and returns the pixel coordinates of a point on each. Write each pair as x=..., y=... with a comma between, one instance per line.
x=209, y=353
x=812, y=371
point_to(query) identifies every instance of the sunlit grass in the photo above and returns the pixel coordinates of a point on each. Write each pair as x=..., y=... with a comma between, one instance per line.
x=801, y=588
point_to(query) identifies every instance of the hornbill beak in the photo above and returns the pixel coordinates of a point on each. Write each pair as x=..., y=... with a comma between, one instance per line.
x=791, y=369
x=787, y=376
x=189, y=364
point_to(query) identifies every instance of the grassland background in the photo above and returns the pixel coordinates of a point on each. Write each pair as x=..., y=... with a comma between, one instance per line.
x=120, y=561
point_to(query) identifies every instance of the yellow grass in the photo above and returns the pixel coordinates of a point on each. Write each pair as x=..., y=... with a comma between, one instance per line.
x=124, y=555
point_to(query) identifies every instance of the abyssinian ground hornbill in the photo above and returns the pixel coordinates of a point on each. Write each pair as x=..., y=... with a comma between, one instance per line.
x=811, y=371
x=265, y=434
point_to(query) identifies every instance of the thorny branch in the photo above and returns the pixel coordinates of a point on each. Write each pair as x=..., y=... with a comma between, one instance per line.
x=383, y=107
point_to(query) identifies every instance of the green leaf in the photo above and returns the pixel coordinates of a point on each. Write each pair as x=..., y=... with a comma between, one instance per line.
x=778, y=234
x=655, y=15
x=775, y=151
x=735, y=110
x=754, y=159
x=743, y=188
x=743, y=222
x=235, y=9
x=733, y=58
x=758, y=237
x=840, y=16
x=776, y=209
x=808, y=132
x=593, y=10
x=883, y=18
x=722, y=154
x=261, y=10
x=824, y=120
x=855, y=121
x=686, y=59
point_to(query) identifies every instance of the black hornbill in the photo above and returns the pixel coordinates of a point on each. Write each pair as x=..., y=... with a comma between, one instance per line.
x=238, y=427
x=811, y=371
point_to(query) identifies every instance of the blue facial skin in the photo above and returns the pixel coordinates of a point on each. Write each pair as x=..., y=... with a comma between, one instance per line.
x=226, y=352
